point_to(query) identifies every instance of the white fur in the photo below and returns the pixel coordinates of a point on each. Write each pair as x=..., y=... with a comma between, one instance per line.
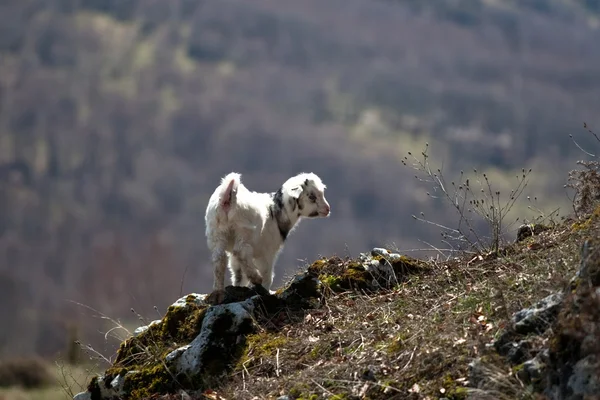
x=246, y=229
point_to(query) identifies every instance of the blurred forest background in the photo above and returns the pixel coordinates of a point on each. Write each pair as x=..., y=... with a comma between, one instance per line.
x=119, y=117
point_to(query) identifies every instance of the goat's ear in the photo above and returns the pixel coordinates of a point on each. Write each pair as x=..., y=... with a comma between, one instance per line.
x=295, y=192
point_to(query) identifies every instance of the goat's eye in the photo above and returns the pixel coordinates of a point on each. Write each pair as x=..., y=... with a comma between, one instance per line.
x=312, y=197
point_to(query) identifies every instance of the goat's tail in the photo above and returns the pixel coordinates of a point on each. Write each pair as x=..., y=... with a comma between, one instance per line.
x=229, y=189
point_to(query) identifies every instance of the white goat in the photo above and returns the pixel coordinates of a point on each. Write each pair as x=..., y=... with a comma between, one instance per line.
x=250, y=228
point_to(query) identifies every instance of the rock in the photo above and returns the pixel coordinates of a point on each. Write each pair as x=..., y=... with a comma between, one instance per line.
x=532, y=370
x=223, y=329
x=585, y=378
x=378, y=251
x=527, y=322
x=477, y=373
x=573, y=367
x=537, y=318
x=527, y=230
x=83, y=396
x=589, y=267
x=303, y=291
x=175, y=354
x=368, y=375
x=197, y=343
x=144, y=328
x=517, y=352
x=200, y=342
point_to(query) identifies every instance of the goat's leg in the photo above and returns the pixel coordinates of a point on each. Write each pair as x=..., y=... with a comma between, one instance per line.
x=266, y=271
x=219, y=262
x=243, y=252
x=238, y=278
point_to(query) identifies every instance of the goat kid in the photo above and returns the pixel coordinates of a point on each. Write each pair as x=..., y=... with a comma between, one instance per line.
x=248, y=229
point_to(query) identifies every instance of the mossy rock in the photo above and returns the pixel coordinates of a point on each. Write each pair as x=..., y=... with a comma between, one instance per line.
x=376, y=273
x=181, y=323
x=196, y=344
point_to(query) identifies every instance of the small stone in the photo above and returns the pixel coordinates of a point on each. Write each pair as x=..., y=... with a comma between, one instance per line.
x=176, y=353
x=378, y=251
x=368, y=375
x=144, y=328
x=518, y=351
x=537, y=318
x=531, y=370
x=394, y=257
x=195, y=298
x=83, y=396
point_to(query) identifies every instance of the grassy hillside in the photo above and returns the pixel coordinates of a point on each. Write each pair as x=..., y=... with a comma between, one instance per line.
x=433, y=331
x=117, y=119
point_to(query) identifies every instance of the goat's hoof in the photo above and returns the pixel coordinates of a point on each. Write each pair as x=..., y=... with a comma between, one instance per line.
x=260, y=289
x=216, y=297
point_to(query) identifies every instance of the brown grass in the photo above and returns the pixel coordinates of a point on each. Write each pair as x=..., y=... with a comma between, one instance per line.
x=416, y=340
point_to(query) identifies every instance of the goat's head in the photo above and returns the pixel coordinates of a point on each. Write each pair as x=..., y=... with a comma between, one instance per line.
x=306, y=195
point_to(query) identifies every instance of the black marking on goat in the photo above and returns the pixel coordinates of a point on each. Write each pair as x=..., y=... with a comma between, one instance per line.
x=277, y=211
x=278, y=198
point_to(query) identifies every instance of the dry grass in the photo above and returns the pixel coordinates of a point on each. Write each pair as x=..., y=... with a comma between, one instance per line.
x=416, y=340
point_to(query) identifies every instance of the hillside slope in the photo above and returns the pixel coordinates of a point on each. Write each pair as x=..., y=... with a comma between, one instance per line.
x=503, y=325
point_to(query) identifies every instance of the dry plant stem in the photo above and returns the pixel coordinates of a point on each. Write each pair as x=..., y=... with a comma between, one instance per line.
x=485, y=203
x=585, y=182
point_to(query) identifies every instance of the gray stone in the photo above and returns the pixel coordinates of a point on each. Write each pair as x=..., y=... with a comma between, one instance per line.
x=589, y=267
x=585, y=379
x=531, y=370
x=83, y=396
x=537, y=318
x=145, y=327
x=233, y=316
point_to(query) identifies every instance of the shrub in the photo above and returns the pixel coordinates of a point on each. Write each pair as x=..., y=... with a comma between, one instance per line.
x=30, y=372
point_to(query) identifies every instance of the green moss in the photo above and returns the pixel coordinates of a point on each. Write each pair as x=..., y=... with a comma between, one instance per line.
x=458, y=393
x=180, y=325
x=344, y=275
x=296, y=391
x=585, y=225
x=144, y=354
x=517, y=368
x=148, y=381
x=332, y=282
x=454, y=391
x=260, y=345
x=398, y=343
x=310, y=397
x=339, y=397
x=319, y=264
